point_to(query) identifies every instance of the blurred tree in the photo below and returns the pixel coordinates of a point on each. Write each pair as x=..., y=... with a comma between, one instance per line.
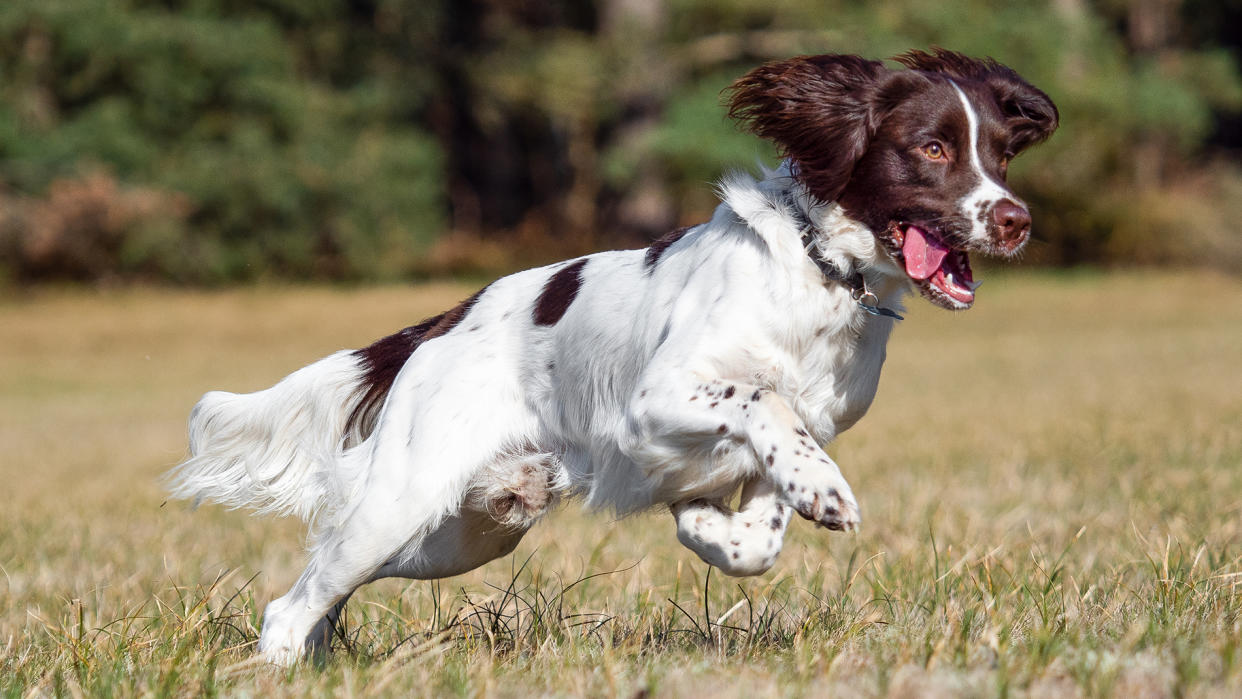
x=1214, y=24
x=210, y=140
x=286, y=129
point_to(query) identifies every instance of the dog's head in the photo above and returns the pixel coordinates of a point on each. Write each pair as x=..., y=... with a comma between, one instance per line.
x=919, y=156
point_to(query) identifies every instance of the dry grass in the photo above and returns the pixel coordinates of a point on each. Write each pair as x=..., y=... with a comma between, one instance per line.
x=1051, y=487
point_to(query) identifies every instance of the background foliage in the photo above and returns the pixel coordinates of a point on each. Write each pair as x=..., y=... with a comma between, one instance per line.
x=204, y=141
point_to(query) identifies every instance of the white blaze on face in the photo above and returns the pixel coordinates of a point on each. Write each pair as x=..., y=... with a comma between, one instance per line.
x=980, y=200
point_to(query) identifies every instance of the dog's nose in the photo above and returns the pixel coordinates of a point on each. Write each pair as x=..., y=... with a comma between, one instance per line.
x=1012, y=223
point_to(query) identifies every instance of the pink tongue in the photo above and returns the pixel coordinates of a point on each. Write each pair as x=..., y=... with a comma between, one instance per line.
x=923, y=255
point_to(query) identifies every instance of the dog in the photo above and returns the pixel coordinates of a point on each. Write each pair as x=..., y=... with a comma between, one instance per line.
x=720, y=358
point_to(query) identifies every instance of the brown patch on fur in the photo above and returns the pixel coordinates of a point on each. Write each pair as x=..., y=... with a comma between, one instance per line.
x=383, y=359
x=818, y=109
x=824, y=111
x=558, y=293
x=1030, y=115
x=657, y=248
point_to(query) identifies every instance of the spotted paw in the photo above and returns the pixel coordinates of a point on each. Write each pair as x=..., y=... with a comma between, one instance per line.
x=831, y=508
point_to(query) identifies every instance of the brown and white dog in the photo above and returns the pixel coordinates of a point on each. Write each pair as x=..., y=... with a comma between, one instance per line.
x=722, y=357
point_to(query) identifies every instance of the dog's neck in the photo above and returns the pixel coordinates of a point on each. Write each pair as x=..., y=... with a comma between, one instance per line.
x=780, y=210
x=853, y=280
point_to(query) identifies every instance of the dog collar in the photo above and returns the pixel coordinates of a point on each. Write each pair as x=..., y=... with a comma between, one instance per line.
x=864, y=297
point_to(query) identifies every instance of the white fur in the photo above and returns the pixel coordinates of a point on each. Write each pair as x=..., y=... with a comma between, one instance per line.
x=276, y=450
x=988, y=192
x=726, y=365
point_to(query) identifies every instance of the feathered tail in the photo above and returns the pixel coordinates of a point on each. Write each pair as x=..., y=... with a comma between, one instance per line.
x=278, y=450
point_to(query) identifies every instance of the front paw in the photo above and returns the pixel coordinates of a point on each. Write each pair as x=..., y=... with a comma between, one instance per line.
x=832, y=507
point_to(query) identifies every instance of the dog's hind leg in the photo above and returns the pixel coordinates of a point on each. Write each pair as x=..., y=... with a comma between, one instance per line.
x=319, y=642
x=302, y=621
x=405, y=493
x=740, y=543
x=462, y=543
x=380, y=539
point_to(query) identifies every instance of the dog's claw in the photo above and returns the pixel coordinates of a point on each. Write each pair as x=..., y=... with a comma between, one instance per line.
x=831, y=511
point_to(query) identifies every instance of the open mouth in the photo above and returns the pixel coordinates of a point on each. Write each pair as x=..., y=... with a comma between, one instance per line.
x=940, y=271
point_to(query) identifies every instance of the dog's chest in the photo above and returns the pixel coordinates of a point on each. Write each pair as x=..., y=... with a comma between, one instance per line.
x=833, y=380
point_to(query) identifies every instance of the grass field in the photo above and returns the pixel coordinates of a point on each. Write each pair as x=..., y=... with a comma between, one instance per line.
x=1051, y=488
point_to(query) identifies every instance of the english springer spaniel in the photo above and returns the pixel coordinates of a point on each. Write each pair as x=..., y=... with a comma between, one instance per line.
x=723, y=356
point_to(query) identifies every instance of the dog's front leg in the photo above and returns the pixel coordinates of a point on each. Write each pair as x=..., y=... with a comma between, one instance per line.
x=740, y=543
x=670, y=419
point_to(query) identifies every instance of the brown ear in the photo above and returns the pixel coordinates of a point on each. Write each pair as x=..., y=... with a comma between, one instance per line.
x=1029, y=114
x=818, y=109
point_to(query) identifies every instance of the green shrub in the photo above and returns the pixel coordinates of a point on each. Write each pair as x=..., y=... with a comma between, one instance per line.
x=275, y=172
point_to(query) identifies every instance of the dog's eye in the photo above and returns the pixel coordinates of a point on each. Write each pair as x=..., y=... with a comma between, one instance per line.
x=1004, y=163
x=934, y=150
